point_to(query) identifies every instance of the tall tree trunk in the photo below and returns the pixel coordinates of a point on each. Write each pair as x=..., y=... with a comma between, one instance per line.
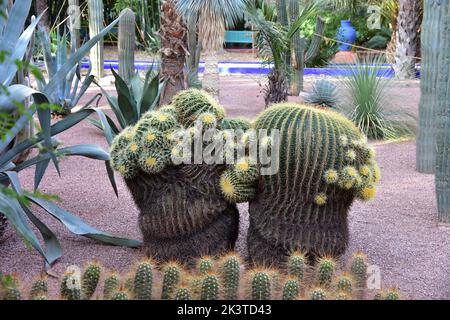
x=443, y=116
x=408, y=26
x=41, y=6
x=430, y=42
x=173, y=50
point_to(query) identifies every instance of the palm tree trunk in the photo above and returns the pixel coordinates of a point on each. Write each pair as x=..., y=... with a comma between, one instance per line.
x=408, y=25
x=173, y=50
x=41, y=6
x=211, y=78
x=443, y=116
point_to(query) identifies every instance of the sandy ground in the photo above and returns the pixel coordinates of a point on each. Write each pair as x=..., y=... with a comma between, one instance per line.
x=398, y=230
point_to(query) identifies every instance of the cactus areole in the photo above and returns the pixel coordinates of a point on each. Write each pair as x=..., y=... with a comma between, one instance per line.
x=324, y=164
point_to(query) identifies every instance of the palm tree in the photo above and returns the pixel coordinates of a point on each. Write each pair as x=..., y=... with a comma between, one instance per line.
x=274, y=41
x=214, y=16
x=408, y=23
x=173, y=50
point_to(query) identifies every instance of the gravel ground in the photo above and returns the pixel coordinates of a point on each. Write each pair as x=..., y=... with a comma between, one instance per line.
x=398, y=230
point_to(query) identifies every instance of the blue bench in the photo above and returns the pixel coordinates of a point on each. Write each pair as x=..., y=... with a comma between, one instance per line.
x=233, y=36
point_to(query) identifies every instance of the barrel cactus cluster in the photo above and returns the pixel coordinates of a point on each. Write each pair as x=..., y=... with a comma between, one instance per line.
x=325, y=164
x=210, y=278
x=179, y=200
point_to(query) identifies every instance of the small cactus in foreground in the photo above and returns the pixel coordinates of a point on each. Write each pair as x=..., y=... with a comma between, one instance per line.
x=291, y=289
x=39, y=288
x=297, y=265
x=89, y=280
x=143, y=280
x=325, y=270
x=318, y=294
x=358, y=269
x=121, y=295
x=205, y=264
x=71, y=286
x=344, y=283
x=230, y=275
x=183, y=293
x=261, y=285
x=392, y=294
x=172, y=273
x=111, y=285
x=210, y=287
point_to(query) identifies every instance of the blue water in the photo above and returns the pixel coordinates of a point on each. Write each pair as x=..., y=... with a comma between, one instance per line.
x=254, y=68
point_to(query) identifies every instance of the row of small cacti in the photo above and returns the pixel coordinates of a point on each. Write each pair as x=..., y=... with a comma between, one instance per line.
x=211, y=279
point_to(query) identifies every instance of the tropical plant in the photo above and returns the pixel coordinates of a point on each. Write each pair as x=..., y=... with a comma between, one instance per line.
x=132, y=101
x=13, y=199
x=275, y=38
x=173, y=50
x=68, y=92
x=380, y=40
x=323, y=94
x=407, y=36
x=366, y=101
x=309, y=184
x=146, y=277
x=214, y=16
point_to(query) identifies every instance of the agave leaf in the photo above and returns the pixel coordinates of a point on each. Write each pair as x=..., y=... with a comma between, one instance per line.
x=125, y=100
x=114, y=103
x=151, y=94
x=86, y=83
x=76, y=57
x=11, y=208
x=105, y=126
x=52, y=245
x=58, y=127
x=79, y=227
x=17, y=93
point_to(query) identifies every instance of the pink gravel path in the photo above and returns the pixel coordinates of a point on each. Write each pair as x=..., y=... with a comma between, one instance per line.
x=398, y=230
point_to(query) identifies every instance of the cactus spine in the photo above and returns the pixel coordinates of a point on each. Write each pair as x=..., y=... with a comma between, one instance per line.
x=111, y=285
x=205, y=264
x=121, y=295
x=210, y=287
x=170, y=280
x=318, y=294
x=127, y=41
x=443, y=115
x=358, y=269
x=261, y=285
x=95, y=8
x=71, y=286
x=305, y=205
x=143, y=280
x=230, y=275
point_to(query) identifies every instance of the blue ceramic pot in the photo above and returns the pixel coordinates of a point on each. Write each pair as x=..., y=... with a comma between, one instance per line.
x=346, y=33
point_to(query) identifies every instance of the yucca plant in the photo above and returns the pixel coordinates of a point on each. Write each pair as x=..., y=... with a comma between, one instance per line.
x=366, y=101
x=131, y=103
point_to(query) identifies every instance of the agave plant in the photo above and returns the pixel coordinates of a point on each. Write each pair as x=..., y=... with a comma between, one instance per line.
x=323, y=94
x=67, y=93
x=13, y=199
x=131, y=103
x=366, y=101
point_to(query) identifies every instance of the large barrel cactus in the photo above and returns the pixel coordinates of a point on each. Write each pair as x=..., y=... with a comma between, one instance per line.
x=324, y=164
x=183, y=213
